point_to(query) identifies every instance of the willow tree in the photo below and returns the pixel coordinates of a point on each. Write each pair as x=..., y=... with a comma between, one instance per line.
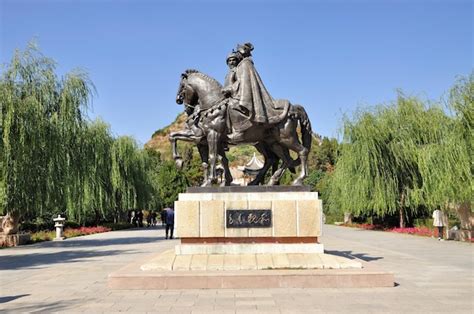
x=461, y=101
x=129, y=176
x=41, y=118
x=400, y=159
x=94, y=199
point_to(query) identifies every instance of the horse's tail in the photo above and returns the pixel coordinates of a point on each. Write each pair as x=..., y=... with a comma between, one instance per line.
x=305, y=124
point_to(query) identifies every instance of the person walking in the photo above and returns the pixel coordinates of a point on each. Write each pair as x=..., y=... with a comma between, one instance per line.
x=153, y=218
x=438, y=221
x=169, y=221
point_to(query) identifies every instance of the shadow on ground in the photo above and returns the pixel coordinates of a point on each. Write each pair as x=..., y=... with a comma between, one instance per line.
x=91, y=242
x=39, y=260
x=350, y=255
x=157, y=227
x=44, y=307
x=11, y=298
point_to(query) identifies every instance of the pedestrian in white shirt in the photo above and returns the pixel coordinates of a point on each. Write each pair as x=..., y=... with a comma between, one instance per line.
x=438, y=221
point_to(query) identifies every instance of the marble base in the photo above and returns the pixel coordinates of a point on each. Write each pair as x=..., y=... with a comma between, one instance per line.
x=247, y=248
x=248, y=271
x=171, y=261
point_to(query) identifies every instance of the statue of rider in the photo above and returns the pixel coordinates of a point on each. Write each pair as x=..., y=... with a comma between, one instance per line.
x=232, y=61
x=249, y=101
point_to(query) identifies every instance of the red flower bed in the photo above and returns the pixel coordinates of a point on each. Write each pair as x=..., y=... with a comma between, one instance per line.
x=421, y=231
x=69, y=232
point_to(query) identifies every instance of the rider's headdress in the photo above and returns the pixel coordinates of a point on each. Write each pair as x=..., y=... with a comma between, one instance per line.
x=245, y=48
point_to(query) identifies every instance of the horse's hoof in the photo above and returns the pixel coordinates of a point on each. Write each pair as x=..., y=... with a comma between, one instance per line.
x=179, y=163
x=206, y=183
x=272, y=182
x=297, y=182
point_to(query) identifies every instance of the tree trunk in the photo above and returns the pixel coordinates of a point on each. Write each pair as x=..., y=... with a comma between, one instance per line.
x=402, y=217
x=465, y=215
x=348, y=218
x=401, y=211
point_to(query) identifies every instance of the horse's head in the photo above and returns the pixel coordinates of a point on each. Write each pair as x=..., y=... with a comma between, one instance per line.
x=196, y=87
x=186, y=94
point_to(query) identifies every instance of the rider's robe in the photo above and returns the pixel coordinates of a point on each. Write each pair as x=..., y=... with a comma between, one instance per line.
x=252, y=104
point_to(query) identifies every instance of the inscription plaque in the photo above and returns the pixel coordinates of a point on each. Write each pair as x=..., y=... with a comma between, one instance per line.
x=248, y=218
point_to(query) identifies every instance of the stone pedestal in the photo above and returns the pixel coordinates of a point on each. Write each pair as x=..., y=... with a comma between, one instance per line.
x=248, y=237
x=253, y=219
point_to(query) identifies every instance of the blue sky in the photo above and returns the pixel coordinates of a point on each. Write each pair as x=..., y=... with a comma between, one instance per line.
x=329, y=56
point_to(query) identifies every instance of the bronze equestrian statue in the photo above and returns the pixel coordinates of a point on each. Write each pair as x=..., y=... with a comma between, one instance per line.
x=243, y=112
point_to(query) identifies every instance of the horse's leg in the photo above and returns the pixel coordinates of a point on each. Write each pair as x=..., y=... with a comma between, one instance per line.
x=281, y=152
x=289, y=138
x=186, y=136
x=212, y=141
x=204, y=154
x=276, y=177
x=174, y=147
x=225, y=164
x=270, y=160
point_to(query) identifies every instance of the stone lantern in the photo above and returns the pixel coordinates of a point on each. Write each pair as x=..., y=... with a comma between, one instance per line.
x=59, y=224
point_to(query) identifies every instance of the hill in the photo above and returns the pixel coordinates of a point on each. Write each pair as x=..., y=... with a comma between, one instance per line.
x=159, y=140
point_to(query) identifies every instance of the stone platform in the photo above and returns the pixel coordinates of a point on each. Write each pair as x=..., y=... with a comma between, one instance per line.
x=248, y=237
x=169, y=260
x=235, y=271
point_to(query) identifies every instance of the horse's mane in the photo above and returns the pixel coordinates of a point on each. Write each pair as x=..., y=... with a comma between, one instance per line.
x=204, y=76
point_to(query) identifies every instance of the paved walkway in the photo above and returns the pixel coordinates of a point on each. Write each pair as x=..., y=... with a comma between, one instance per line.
x=71, y=276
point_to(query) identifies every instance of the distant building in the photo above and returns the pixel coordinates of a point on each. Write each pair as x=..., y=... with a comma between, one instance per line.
x=250, y=170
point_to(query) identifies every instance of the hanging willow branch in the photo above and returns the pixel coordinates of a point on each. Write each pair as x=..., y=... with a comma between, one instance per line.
x=403, y=157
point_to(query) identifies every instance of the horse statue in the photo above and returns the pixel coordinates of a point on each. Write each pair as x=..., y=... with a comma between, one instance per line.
x=208, y=128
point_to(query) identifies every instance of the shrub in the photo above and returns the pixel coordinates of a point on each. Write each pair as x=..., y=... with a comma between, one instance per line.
x=331, y=218
x=71, y=224
x=41, y=236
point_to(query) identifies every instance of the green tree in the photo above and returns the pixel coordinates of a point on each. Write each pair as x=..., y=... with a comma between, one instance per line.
x=399, y=159
x=95, y=151
x=171, y=182
x=41, y=121
x=153, y=163
x=127, y=176
x=323, y=154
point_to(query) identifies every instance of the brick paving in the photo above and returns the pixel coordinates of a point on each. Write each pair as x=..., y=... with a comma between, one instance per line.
x=71, y=276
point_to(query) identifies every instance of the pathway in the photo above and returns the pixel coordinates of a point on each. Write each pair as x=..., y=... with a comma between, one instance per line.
x=71, y=276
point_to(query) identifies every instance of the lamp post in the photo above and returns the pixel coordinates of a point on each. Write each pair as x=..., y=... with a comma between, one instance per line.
x=59, y=224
